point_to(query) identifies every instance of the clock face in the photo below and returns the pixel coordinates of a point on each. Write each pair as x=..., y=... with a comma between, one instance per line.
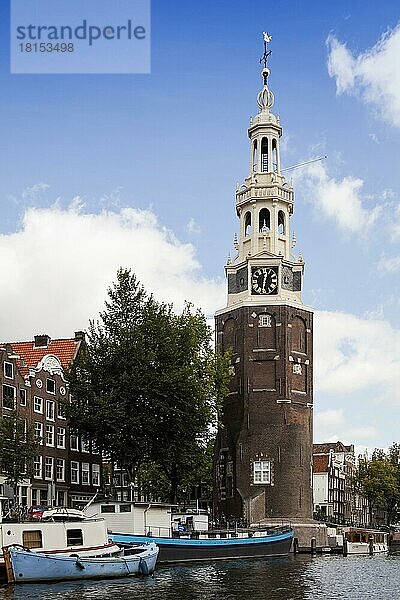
x=264, y=280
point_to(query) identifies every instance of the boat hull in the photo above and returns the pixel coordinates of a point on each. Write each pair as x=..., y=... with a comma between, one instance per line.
x=174, y=550
x=363, y=548
x=25, y=567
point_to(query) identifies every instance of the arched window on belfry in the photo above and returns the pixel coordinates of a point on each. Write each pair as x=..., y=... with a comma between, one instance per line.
x=254, y=156
x=264, y=220
x=247, y=224
x=281, y=223
x=274, y=156
x=264, y=155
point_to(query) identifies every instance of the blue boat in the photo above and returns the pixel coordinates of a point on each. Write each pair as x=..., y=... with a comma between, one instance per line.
x=23, y=566
x=216, y=545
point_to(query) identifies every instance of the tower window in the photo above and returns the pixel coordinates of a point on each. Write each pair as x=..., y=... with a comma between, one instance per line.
x=262, y=471
x=255, y=156
x=281, y=222
x=274, y=156
x=247, y=224
x=264, y=220
x=264, y=155
x=264, y=321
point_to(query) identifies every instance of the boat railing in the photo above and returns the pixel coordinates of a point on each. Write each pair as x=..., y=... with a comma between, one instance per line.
x=230, y=533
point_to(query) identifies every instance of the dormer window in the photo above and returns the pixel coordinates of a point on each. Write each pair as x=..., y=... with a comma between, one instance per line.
x=262, y=471
x=50, y=386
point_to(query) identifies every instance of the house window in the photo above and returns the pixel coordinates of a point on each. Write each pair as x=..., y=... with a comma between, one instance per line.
x=60, y=498
x=61, y=410
x=50, y=410
x=73, y=442
x=262, y=471
x=264, y=321
x=297, y=369
x=49, y=435
x=74, y=471
x=85, y=445
x=85, y=474
x=37, y=404
x=107, y=508
x=8, y=396
x=60, y=470
x=8, y=370
x=96, y=475
x=74, y=537
x=125, y=508
x=60, y=437
x=39, y=432
x=50, y=386
x=37, y=467
x=48, y=467
x=22, y=397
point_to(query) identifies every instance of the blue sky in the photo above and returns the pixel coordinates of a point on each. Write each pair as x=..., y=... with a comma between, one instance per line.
x=144, y=167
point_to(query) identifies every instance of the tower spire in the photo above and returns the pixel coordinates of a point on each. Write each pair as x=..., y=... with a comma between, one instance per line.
x=265, y=98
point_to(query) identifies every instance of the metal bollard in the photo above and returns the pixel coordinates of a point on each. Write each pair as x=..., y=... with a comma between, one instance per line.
x=313, y=546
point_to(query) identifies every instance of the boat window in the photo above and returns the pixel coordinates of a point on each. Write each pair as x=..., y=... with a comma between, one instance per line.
x=108, y=508
x=74, y=537
x=125, y=508
x=32, y=539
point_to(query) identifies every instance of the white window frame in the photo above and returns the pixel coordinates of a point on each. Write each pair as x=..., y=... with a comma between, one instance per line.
x=47, y=389
x=262, y=472
x=96, y=475
x=61, y=413
x=13, y=388
x=8, y=364
x=75, y=470
x=50, y=410
x=22, y=393
x=60, y=469
x=39, y=428
x=48, y=462
x=265, y=320
x=60, y=436
x=85, y=480
x=49, y=431
x=85, y=445
x=74, y=447
x=37, y=461
x=38, y=410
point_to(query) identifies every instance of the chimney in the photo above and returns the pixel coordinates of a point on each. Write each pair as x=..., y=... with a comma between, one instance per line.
x=42, y=341
x=80, y=336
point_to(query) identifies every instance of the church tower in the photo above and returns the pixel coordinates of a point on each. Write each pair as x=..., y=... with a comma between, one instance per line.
x=264, y=444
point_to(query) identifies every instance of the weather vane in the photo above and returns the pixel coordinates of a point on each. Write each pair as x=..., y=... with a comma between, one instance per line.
x=264, y=58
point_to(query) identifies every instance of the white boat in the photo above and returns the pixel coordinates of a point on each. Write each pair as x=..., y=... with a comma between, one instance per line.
x=23, y=566
x=60, y=532
x=365, y=541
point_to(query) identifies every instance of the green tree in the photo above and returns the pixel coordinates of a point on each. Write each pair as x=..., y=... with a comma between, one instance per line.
x=18, y=447
x=378, y=480
x=149, y=384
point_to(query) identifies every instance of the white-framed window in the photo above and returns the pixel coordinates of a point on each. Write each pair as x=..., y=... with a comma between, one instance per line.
x=74, y=471
x=48, y=467
x=297, y=368
x=96, y=475
x=50, y=406
x=22, y=397
x=49, y=435
x=73, y=442
x=50, y=386
x=37, y=467
x=85, y=474
x=264, y=321
x=85, y=445
x=8, y=369
x=60, y=469
x=262, y=471
x=60, y=437
x=37, y=404
x=61, y=410
x=8, y=396
x=39, y=432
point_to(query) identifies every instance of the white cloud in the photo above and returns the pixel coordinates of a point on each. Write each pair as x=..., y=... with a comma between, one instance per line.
x=32, y=192
x=389, y=264
x=354, y=355
x=340, y=200
x=374, y=75
x=193, y=228
x=60, y=263
x=335, y=425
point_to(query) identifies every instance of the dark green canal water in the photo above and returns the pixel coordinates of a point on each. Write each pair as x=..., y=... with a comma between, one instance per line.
x=294, y=578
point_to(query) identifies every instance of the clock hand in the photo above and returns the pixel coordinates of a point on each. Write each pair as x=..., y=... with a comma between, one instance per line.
x=265, y=280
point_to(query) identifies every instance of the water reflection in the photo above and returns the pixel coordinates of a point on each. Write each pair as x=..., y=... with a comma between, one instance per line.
x=289, y=578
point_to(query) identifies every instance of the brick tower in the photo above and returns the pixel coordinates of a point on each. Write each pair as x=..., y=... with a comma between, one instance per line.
x=263, y=452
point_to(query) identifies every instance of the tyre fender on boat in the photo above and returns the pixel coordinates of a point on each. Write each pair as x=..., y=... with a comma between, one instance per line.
x=143, y=567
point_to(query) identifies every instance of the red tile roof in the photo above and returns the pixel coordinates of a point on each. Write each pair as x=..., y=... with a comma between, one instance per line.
x=64, y=349
x=325, y=448
x=321, y=463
